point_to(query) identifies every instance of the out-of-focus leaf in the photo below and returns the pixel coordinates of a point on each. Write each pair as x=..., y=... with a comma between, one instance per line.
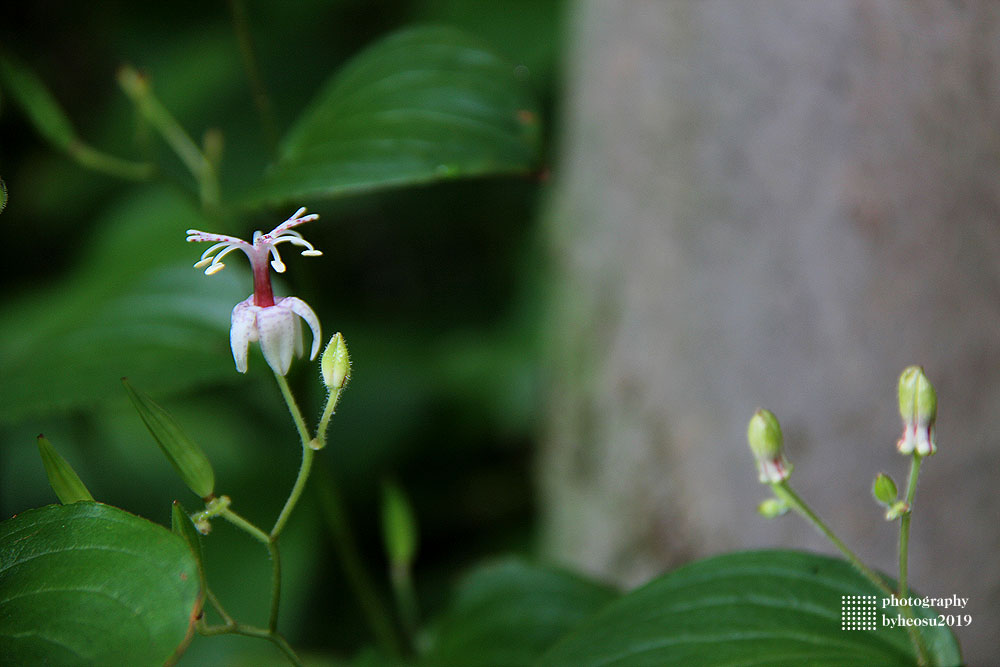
x=183, y=453
x=754, y=607
x=63, y=479
x=37, y=102
x=55, y=127
x=422, y=105
x=508, y=613
x=133, y=307
x=399, y=526
x=91, y=584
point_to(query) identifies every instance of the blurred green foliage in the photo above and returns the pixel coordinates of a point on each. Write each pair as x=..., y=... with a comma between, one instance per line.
x=436, y=289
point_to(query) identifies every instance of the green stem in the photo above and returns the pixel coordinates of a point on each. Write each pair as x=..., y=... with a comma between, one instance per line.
x=372, y=605
x=272, y=621
x=244, y=525
x=307, y=457
x=293, y=409
x=297, y=489
x=271, y=542
x=139, y=91
x=784, y=492
x=328, y=412
x=233, y=628
x=904, y=523
x=406, y=602
x=91, y=158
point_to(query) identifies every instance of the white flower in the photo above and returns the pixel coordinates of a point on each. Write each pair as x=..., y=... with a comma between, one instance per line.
x=277, y=328
x=261, y=317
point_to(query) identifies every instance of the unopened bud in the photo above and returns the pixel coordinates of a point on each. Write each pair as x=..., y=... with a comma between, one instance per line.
x=335, y=363
x=897, y=510
x=772, y=508
x=884, y=489
x=766, y=443
x=918, y=408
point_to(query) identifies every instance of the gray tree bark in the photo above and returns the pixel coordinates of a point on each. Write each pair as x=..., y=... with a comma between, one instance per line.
x=777, y=203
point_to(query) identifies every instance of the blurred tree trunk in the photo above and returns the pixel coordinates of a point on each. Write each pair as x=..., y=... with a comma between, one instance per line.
x=776, y=203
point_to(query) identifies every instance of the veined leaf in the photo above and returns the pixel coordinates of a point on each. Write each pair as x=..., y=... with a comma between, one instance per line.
x=748, y=608
x=422, y=105
x=509, y=612
x=92, y=584
x=133, y=307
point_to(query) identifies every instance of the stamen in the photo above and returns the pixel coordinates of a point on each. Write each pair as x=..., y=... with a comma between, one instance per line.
x=203, y=262
x=312, y=253
x=276, y=263
x=215, y=268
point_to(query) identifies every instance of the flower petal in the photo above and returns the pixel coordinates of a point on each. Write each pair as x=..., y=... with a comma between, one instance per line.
x=276, y=328
x=243, y=331
x=302, y=309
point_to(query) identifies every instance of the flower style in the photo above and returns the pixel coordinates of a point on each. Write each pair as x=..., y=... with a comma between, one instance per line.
x=261, y=317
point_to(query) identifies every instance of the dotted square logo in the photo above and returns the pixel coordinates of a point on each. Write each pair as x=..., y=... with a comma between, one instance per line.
x=858, y=612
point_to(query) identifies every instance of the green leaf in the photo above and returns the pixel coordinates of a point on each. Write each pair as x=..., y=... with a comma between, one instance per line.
x=509, y=612
x=92, y=584
x=757, y=607
x=134, y=306
x=63, y=479
x=422, y=105
x=181, y=525
x=183, y=453
x=54, y=125
x=37, y=102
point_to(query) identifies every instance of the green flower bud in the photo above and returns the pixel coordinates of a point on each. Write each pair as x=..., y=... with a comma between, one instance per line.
x=335, y=363
x=884, y=489
x=766, y=443
x=918, y=408
x=772, y=508
x=62, y=478
x=897, y=510
x=186, y=456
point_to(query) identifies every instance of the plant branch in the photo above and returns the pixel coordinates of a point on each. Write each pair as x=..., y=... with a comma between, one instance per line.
x=139, y=91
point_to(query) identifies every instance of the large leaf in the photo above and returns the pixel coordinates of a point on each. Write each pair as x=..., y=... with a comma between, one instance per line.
x=133, y=307
x=92, y=584
x=748, y=608
x=425, y=104
x=509, y=612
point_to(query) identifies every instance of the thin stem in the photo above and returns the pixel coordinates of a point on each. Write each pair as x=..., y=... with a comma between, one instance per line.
x=328, y=412
x=272, y=621
x=227, y=619
x=260, y=97
x=91, y=158
x=293, y=409
x=372, y=605
x=904, y=523
x=784, y=492
x=244, y=525
x=139, y=91
x=233, y=628
x=406, y=602
x=307, y=458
